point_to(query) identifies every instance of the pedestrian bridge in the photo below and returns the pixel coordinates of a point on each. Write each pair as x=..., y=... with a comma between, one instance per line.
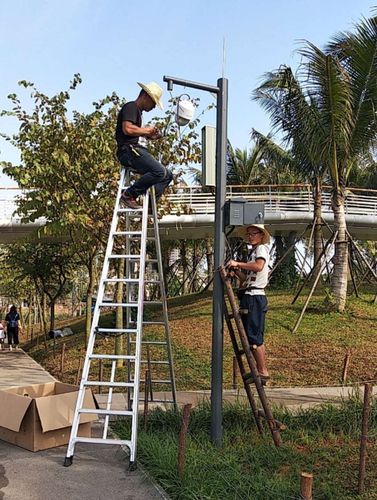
x=191, y=211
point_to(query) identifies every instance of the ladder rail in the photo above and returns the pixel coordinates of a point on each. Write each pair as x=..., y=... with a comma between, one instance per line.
x=109, y=399
x=247, y=387
x=163, y=298
x=139, y=328
x=95, y=318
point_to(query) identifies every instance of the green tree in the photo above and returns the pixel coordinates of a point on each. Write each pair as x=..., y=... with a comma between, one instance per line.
x=67, y=168
x=48, y=265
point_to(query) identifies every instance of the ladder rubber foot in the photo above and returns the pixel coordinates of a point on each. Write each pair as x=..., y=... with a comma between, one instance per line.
x=132, y=466
x=68, y=461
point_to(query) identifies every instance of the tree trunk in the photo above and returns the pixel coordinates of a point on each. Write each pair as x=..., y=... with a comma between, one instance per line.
x=194, y=260
x=318, y=227
x=340, y=275
x=89, y=294
x=52, y=314
x=210, y=261
x=119, y=311
x=183, y=251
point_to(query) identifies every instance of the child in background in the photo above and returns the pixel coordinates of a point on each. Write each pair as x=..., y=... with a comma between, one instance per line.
x=2, y=334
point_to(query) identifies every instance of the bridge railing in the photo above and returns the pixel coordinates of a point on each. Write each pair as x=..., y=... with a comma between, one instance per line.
x=287, y=197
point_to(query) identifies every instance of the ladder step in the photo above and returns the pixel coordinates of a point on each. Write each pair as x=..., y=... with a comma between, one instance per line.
x=126, y=233
x=145, y=361
x=150, y=302
x=156, y=400
x=117, y=304
x=125, y=256
x=116, y=330
x=79, y=439
x=160, y=381
x=112, y=356
x=124, y=413
x=129, y=210
x=97, y=383
x=149, y=342
x=130, y=280
x=153, y=323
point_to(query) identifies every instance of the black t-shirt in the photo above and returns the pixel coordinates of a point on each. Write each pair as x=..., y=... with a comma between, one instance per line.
x=130, y=113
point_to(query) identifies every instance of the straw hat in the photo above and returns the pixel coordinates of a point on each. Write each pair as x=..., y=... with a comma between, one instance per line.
x=260, y=227
x=154, y=91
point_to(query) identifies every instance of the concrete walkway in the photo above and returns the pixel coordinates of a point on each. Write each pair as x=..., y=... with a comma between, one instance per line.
x=98, y=472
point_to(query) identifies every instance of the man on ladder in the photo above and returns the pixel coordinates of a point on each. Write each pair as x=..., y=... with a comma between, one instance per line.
x=130, y=229
x=132, y=154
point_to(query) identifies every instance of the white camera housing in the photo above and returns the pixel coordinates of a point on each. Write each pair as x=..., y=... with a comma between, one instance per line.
x=185, y=111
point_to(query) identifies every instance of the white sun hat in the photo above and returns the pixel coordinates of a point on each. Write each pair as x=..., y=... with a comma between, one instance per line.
x=154, y=91
x=260, y=227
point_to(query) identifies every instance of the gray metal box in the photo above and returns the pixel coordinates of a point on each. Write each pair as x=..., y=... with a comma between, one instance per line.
x=239, y=212
x=253, y=213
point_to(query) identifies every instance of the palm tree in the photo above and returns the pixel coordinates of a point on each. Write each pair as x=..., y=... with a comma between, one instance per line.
x=283, y=97
x=244, y=167
x=335, y=114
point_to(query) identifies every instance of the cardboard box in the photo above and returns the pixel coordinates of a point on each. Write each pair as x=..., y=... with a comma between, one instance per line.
x=40, y=416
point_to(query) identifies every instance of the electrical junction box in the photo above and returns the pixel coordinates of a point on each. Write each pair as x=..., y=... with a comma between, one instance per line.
x=240, y=212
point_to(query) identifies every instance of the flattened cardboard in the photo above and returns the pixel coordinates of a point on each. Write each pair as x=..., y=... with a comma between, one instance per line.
x=40, y=416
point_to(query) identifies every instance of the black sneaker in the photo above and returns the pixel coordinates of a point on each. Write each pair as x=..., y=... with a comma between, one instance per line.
x=129, y=202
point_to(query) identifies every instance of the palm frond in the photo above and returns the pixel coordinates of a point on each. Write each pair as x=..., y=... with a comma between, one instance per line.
x=358, y=54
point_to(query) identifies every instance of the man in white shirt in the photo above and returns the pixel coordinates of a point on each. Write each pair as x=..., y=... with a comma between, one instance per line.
x=253, y=276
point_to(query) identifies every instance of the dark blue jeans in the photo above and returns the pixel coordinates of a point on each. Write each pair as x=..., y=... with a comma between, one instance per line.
x=138, y=159
x=253, y=321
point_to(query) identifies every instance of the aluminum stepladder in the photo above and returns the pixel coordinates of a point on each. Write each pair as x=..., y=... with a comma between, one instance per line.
x=246, y=363
x=128, y=241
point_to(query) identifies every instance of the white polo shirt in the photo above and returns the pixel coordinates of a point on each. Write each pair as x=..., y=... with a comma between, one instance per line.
x=261, y=277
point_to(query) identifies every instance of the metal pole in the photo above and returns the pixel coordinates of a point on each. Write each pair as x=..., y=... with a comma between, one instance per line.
x=219, y=249
x=221, y=92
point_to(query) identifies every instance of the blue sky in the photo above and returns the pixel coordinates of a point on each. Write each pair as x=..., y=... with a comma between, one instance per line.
x=114, y=43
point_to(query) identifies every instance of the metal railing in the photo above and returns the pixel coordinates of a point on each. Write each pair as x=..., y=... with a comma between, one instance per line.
x=287, y=198
x=277, y=198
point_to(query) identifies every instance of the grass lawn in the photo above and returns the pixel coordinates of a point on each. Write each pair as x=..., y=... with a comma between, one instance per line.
x=248, y=466
x=312, y=356
x=323, y=441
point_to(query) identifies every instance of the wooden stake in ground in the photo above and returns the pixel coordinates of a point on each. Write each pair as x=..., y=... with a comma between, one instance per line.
x=182, y=439
x=306, y=486
x=62, y=361
x=78, y=372
x=146, y=392
x=235, y=373
x=100, y=374
x=364, y=436
x=345, y=365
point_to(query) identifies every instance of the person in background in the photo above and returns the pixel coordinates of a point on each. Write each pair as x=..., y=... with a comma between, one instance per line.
x=2, y=334
x=13, y=327
x=135, y=156
x=253, y=276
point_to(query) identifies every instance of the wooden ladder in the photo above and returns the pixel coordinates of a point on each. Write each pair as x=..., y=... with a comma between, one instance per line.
x=247, y=364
